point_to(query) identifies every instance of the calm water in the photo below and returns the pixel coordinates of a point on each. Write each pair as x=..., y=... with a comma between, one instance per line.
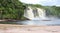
x=36, y=22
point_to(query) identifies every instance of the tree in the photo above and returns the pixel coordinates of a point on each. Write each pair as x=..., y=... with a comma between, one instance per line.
x=13, y=9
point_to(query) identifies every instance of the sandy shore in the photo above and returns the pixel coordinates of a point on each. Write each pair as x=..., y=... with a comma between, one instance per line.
x=8, y=28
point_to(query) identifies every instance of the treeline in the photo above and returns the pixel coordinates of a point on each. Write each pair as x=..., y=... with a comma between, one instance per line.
x=11, y=9
x=53, y=10
x=14, y=9
x=50, y=10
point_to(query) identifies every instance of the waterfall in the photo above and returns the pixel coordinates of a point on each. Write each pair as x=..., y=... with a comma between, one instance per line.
x=42, y=14
x=28, y=13
x=35, y=14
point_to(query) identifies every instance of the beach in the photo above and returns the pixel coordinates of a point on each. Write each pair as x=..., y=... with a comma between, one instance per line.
x=11, y=28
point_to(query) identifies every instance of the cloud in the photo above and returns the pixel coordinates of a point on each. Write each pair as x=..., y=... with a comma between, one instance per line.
x=58, y=3
x=48, y=2
x=30, y=1
x=42, y=2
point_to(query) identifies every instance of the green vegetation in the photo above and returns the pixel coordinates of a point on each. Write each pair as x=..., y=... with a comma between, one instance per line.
x=11, y=9
x=53, y=10
x=35, y=5
x=14, y=9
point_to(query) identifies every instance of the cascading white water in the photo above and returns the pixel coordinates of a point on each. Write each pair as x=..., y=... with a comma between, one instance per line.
x=35, y=14
x=28, y=13
x=41, y=13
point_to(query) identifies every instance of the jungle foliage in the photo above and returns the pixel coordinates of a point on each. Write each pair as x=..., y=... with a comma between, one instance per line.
x=11, y=9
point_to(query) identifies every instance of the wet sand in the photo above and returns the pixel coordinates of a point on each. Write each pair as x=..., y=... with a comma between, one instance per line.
x=9, y=28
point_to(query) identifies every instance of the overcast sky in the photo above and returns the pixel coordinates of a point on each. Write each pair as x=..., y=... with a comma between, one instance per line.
x=42, y=2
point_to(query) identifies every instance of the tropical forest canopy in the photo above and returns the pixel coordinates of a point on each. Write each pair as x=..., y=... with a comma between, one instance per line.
x=11, y=9
x=51, y=10
x=54, y=10
x=14, y=9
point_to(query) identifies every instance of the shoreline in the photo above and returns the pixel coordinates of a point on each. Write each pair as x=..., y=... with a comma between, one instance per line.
x=10, y=28
x=10, y=20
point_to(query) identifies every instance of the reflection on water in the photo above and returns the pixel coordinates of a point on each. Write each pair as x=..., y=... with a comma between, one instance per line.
x=36, y=22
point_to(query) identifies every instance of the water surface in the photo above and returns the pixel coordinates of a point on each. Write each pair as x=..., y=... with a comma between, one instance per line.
x=36, y=22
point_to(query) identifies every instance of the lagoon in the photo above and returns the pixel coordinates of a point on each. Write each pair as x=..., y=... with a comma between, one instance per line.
x=53, y=22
